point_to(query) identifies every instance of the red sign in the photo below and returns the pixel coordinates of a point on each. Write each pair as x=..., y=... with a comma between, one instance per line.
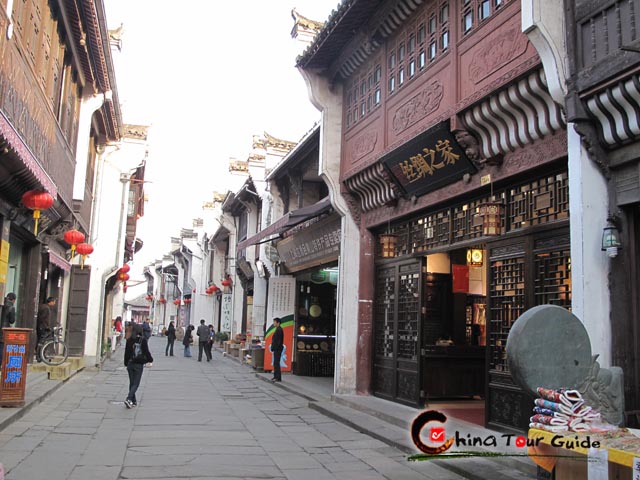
x=15, y=356
x=460, y=278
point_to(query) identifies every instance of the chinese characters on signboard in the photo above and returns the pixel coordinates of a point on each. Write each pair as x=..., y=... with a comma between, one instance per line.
x=429, y=161
x=227, y=309
x=316, y=245
x=14, y=366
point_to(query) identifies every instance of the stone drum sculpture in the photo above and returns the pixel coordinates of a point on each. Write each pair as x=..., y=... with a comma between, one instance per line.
x=549, y=347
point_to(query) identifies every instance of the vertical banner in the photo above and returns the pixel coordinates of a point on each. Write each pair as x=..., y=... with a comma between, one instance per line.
x=282, y=302
x=14, y=366
x=227, y=311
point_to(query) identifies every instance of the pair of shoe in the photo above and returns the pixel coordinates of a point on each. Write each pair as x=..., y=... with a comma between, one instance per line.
x=274, y=380
x=129, y=404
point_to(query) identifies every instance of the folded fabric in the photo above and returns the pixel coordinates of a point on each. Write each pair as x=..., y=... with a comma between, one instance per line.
x=555, y=406
x=547, y=420
x=549, y=412
x=549, y=428
x=581, y=427
x=567, y=397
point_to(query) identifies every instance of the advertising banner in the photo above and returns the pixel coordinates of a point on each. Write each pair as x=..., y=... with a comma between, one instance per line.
x=282, y=294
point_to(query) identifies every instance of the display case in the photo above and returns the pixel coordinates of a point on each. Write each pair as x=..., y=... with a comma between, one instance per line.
x=314, y=339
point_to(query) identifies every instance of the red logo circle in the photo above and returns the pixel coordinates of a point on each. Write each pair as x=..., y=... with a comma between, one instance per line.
x=521, y=442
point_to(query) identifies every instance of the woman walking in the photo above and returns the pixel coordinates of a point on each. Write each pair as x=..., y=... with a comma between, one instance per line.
x=188, y=340
x=171, y=337
x=136, y=354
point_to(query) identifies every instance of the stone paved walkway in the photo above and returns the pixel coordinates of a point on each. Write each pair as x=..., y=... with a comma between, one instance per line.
x=194, y=420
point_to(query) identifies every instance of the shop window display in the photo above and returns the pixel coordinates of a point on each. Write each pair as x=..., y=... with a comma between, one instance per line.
x=315, y=325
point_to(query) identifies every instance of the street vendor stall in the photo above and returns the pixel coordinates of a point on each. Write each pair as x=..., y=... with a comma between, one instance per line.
x=574, y=456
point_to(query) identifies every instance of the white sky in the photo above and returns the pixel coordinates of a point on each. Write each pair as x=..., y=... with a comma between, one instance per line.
x=206, y=75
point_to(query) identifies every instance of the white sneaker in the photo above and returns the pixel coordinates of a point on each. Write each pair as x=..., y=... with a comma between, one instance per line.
x=128, y=403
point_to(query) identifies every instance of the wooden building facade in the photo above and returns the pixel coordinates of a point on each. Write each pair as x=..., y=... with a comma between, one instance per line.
x=453, y=162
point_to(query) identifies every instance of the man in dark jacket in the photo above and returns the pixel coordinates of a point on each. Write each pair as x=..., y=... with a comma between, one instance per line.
x=45, y=319
x=135, y=364
x=277, y=344
x=8, y=316
x=203, y=339
x=171, y=337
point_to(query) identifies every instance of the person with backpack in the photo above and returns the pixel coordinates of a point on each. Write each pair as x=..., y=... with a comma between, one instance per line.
x=188, y=340
x=136, y=354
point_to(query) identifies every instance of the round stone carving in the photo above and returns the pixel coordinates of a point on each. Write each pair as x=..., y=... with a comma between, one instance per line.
x=548, y=347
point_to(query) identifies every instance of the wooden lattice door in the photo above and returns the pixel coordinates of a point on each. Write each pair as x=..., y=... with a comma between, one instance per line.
x=396, y=332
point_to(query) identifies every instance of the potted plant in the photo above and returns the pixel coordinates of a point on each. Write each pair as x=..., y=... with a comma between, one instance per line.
x=222, y=337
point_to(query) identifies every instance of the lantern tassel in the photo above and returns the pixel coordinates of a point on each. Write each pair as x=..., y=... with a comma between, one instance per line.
x=36, y=216
x=73, y=251
x=82, y=257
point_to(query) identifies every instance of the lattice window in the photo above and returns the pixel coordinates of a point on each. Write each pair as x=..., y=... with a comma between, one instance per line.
x=421, y=42
x=507, y=292
x=553, y=278
x=430, y=231
x=362, y=92
x=540, y=201
x=476, y=12
x=408, y=315
x=467, y=222
x=385, y=313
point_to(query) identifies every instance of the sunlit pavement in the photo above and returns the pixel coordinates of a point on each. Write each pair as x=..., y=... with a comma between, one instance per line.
x=194, y=420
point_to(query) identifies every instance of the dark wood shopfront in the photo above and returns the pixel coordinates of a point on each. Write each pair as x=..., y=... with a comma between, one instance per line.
x=528, y=264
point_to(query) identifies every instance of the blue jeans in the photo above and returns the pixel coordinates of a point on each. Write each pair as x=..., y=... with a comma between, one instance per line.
x=135, y=374
x=187, y=351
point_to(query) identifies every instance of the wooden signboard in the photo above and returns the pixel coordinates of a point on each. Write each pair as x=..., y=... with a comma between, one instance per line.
x=431, y=160
x=15, y=356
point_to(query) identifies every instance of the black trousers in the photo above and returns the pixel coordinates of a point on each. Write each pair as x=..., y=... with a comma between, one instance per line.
x=169, y=349
x=202, y=346
x=207, y=349
x=135, y=375
x=277, y=374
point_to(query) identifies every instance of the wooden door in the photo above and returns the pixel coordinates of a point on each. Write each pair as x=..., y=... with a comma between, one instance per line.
x=77, y=314
x=396, y=366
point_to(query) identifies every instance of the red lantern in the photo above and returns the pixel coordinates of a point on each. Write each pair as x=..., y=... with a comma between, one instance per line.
x=84, y=249
x=187, y=301
x=226, y=282
x=73, y=238
x=125, y=268
x=162, y=300
x=36, y=200
x=176, y=302
x=123, y=276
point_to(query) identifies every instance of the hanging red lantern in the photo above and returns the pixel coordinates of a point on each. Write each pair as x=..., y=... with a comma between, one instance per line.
x=226, y=282
x=123, y=277
x=162, y=300
x=84, y=249
x=187, y=301
x=125, y=268
x=176, y=302
x=37, y=200
x=73, y=238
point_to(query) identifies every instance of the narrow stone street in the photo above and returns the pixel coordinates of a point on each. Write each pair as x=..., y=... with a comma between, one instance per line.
x=194, y=420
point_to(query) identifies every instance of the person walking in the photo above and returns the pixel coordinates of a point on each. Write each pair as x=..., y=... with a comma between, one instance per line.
x=209, y=346
x=203, y=339
x=8, y=318
x=171, y=337
x=44, y=322
x=146, y=329
x=136, y=354
x=277, y=344
x=188, y=340
x=117, y=326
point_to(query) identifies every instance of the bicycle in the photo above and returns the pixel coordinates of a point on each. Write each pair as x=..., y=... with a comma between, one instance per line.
x=54, y=351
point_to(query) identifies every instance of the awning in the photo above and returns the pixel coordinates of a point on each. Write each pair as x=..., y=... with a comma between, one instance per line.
x=287, y=222
x=58, y=261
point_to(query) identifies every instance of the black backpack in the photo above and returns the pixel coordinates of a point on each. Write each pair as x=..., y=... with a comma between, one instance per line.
x=138, y=355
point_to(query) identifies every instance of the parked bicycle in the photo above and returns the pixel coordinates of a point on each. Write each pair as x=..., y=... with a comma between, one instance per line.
x=53, y=350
